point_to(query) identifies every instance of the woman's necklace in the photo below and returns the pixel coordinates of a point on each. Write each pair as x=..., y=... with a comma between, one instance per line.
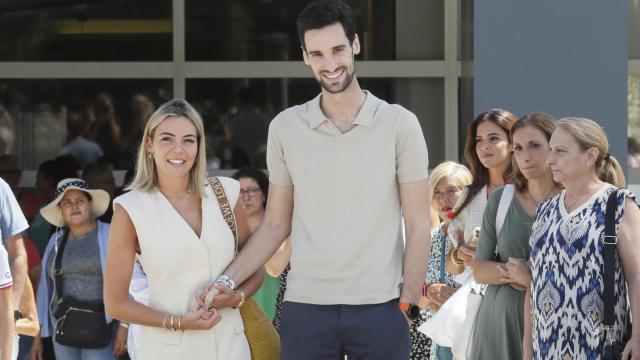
x=537, y=203
x=570, y=204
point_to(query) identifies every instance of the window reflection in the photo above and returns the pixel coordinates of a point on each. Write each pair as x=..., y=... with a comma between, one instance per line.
x=134, y=30
x=237, y=112
x=266, y=29
x=41, y=119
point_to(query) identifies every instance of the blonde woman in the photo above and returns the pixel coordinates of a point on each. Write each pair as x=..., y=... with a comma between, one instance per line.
x=446, y=183
x=567, y=263
x=175, y=225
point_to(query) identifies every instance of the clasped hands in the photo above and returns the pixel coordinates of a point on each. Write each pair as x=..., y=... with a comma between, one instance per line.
x=208, y=300
x=216, y=296
x=516, y=272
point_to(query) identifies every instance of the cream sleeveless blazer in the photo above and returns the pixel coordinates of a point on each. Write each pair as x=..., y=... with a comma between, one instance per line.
x=178, y=264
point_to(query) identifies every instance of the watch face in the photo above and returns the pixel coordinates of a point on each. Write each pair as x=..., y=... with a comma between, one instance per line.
x=413, y=312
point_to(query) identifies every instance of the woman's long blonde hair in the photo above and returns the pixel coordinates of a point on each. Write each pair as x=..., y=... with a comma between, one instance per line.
x=146, y=175
x=589, y=134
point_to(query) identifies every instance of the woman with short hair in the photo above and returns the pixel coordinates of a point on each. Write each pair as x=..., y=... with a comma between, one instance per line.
x=446, y=183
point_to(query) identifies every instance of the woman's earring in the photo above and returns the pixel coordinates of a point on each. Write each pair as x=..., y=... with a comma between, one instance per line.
x=150, y=155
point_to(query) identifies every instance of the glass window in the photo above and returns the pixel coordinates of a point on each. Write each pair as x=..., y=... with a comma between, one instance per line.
x=39, y=119
x=237, y=112
x=227, y=30
x=135, y=30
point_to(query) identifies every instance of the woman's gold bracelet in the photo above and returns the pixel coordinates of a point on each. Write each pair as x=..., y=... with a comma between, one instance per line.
x=164, y=322
x=454, y=257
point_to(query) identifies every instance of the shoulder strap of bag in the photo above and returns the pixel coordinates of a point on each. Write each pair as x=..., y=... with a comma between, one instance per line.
x=609, y=243
x=225, y=208
x=503, y=206
x=57, y=265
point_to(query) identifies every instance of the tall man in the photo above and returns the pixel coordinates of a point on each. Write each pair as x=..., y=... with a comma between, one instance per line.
x=343, y=167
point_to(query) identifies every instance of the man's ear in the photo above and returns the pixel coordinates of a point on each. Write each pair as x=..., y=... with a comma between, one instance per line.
x=356, y=45
x=305, y=56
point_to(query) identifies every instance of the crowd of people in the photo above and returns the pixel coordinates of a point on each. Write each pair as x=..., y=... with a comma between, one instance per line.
x=369, y=249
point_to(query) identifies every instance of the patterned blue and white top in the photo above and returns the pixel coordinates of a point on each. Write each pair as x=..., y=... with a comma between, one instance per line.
x=567, y=272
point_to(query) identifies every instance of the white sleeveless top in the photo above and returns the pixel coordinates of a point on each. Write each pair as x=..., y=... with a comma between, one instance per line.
x=470, y=218
x=178, y=264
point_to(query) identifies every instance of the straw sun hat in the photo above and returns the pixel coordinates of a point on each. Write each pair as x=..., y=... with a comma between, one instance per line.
x=99, y=201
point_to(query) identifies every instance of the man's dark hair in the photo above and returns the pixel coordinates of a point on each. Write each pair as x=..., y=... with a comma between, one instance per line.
x=321, y=13
x=96, y=170
x=256, y=174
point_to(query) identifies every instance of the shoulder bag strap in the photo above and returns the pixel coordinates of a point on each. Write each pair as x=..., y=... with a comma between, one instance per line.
x=57, y=265
x=609, y=243
x=503, y=206
x=225, y=208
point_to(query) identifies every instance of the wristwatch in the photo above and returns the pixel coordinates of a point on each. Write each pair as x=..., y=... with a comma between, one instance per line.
x=412, y=310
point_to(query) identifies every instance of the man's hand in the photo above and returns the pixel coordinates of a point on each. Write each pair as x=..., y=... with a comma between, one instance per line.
x=226, y=298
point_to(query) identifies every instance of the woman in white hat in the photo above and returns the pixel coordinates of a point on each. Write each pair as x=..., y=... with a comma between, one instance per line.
x=69, y=298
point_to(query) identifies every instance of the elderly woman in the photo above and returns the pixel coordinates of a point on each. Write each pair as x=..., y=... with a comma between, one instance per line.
x=568, y=305
x=446, y=183
x=69, y=298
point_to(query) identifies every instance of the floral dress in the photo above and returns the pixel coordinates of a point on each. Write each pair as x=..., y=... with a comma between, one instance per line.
x=421, y=346
x=280, y=299
x=567, y=278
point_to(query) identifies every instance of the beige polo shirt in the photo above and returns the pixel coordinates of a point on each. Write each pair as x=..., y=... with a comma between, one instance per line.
x=346, y=239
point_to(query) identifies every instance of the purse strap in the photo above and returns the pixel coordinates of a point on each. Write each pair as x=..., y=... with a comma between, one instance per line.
x=57, y=265
x=609, y=242
x=225, y=208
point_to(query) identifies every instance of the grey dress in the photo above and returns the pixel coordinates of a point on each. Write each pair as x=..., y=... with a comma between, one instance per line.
x=499, y=328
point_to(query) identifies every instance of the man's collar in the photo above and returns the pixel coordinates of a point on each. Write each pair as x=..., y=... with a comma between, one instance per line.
x=364, y=117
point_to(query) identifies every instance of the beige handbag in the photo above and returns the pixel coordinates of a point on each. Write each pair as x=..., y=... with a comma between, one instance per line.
x=264, y=341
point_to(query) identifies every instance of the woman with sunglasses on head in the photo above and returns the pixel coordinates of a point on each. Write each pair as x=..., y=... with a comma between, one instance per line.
x=70, y=286
x=568, y=302
x=488, y=153
x=499, y=326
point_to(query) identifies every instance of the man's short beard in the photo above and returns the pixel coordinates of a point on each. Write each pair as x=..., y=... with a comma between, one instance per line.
x=345, y=84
